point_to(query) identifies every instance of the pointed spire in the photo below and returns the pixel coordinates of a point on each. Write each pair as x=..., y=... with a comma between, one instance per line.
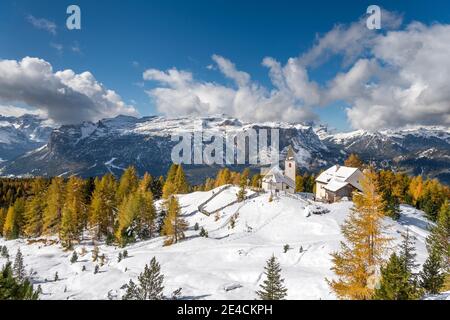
x=290, y=154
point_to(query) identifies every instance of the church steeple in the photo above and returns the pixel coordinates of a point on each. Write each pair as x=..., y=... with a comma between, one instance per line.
x=290, y=164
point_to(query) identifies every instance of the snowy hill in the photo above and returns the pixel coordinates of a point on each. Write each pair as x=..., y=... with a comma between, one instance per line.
x=228, y=264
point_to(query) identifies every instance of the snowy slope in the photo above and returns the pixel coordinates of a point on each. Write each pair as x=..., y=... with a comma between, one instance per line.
x=228, y=264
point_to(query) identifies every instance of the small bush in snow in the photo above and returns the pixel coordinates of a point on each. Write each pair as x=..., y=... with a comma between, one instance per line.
x=74, y=257
x=286, y=248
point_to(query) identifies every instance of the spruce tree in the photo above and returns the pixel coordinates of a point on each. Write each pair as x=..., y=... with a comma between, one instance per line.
x=174, y=225
x=150, y=284
x=362, y=253
x=272, y=288
x=431, y=277
x=439, y=238
x=4, y=252
x=12, y=288
x=408, y=252
x=396, y=282
x=19, y=267
x=74, y=257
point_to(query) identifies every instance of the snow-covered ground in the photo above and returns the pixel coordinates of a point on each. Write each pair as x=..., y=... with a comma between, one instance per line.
x=227, y=265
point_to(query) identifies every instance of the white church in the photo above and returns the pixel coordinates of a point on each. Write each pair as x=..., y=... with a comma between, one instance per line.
x=276, y=180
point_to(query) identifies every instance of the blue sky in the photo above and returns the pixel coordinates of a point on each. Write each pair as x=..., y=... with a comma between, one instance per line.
x=119, y=40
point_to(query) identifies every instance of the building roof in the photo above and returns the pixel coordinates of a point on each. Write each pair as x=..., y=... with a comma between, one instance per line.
x=336, y=185
x=276, y=175
x=338, y=177
x=336, y=172
x=290, y=154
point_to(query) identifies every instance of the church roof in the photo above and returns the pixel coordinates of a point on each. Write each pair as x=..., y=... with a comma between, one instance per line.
x=290, y=153
x=276, y=175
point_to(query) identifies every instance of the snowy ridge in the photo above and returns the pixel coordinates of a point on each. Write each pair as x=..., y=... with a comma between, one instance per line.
x=228, y=264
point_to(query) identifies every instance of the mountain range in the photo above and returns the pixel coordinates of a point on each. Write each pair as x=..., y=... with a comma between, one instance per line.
x=31, y=147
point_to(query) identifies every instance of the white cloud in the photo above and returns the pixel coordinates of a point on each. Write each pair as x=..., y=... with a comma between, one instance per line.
x=42, y=24
x=66, y=97
x=405, y=82
x=179, y=93
x=13, y=111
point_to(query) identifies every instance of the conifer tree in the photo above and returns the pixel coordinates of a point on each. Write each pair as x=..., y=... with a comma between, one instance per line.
x=354, y=161
x=150, y=284
x=136, y=217
x=3, y=213
x=396, y=282
x=102, y=207
x=439, y=238
x=128, y=184
x=54, y=205
x=174, y=225
x=19, y=268
x=170, y=184
x=12, y=288
x=74, y=213
x=181, y=185
x=4, y=252
x=431, y=277
x=273, y=286
x=14, y=220
x=242, y=192
x=362, y=253
x=34, y=209
x=408, y=252
x=416, y=189
x=74, y=257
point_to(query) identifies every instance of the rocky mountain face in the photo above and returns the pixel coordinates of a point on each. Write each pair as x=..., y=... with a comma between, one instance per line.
x=110, y=145
x=19, y=135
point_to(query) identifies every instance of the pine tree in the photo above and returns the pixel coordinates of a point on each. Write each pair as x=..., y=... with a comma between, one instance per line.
x=272, y=288
x=102, y=208
x=11, y=288
x=396, y=282
x=362, y=254
x=74, y=213
x=54, y=205
x=5, y=253
x=34, y=209
x=174, y=225
x=431, y=276
x=14, y=220
x=128, y=184
x=439, y=238
x=150, y=284
x=242, y=192
x=408, y=252
x=95, y=253
x=169, y=185
x=416, y=189
x=3, y=213
x=354, y=161
x=19, y=268
x=181, y=185
x=136, y=217
x=74, y=257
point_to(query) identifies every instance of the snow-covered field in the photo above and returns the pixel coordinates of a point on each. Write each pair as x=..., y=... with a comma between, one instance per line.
x=227, y=265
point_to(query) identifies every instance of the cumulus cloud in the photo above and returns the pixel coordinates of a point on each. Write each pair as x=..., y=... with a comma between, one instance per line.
x=42, y=24
x=405, y=81
x=65, y=96
x=392, y=78
x=179, y=93
x=13, y=111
